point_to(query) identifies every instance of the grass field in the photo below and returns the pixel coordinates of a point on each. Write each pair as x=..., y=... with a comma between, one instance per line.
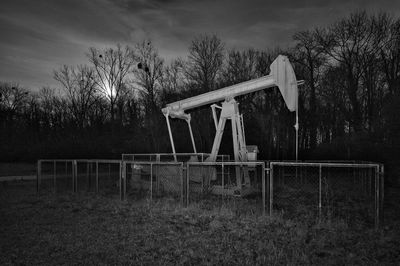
x=101, y=230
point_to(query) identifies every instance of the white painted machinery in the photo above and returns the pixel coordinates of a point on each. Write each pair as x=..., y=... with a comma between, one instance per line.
x=282, y=75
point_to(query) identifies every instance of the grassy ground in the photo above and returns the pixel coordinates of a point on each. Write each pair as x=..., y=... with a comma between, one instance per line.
x=90, y=229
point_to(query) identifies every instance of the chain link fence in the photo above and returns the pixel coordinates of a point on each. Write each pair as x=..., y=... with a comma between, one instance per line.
x=152, y=180
x=239, y=186
x=349, y=191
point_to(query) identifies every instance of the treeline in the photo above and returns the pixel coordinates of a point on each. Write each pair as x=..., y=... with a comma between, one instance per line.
x=348, y=106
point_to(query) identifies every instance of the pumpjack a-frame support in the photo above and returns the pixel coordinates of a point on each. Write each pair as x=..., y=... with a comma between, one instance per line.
x=230, y=111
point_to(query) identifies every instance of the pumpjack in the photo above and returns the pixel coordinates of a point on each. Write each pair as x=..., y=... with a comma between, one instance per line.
x=281, y=75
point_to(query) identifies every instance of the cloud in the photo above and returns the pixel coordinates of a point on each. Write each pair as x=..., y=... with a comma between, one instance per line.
x=39, y=36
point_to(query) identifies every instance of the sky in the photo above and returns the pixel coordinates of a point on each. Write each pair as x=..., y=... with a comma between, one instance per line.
x=39, y=36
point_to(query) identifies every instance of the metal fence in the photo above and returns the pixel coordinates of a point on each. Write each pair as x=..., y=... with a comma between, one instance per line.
x=55, y=175
x=127, y=179
x=100, y=176
x=152, y=180
x=238, y=185
x=350, y=191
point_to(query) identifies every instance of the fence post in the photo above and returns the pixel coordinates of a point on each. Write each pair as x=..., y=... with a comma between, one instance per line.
x=366, y=181
x=271, y=187
x=88, y=175
x=370, y=181
x=151, y=182
x=187, y=184
x=91, y=173
x=263, y=185
x=75, y=176
x=54, y=176
x=125, y=181
x=182, y=184
x=121, y=180
x=97, y=177
x=223, y=179
x=377, y=196
x=131, y=167
x=202, y=180
x=157, y=178
x=38, y=175
x=320, y=190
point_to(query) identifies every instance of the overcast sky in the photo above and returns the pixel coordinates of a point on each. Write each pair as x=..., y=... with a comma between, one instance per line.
x=38, y=36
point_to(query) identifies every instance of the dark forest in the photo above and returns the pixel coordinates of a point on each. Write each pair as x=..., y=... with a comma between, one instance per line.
x=349, y=104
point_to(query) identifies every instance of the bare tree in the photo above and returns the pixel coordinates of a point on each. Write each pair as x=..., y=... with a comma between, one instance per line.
x=78, y=84
x=12, y=96
x=149, y=73
x=205, y=61
x=350, y=42
x=240, y=66
x=202, y=69
x=149, y=76
x=174, y=78
x=390, y=54
x=112, y=67
x=389, y=57
x=310, y=56
x=32, y=112
x=50, y=104
x=333, y=113
x=12, y=100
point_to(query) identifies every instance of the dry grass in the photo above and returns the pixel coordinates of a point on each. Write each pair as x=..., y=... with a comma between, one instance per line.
x=90, y=229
